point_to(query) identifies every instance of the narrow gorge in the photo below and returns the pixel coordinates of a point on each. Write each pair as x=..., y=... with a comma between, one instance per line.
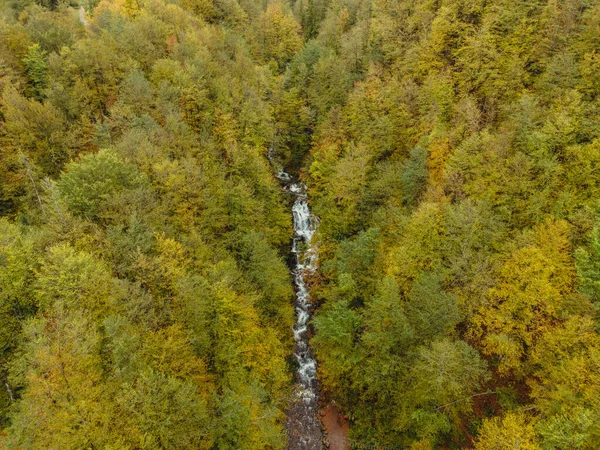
x=299, y=224
x=303, y=426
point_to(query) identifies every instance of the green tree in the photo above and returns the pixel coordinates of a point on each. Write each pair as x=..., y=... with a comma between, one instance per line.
x=587, y=263
x=337, y=328
x=89, y=183
x=36, y=65
x=447, y=375
x=414, y=176
x=431, y=312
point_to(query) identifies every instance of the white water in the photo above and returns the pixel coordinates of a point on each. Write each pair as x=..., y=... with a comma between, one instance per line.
x=303, y=425
x=82, y=17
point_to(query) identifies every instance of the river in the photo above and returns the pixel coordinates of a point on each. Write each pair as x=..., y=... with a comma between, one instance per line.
x=303, y=426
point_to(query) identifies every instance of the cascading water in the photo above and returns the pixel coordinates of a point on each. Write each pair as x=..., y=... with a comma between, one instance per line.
x=303, y=426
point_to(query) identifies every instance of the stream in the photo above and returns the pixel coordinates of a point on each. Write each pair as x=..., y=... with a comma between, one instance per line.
x=303, y=426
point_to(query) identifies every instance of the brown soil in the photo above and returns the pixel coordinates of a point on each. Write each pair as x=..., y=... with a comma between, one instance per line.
x=337, y=428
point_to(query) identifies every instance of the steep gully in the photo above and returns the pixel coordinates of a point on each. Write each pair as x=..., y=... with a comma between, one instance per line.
x=303, y=426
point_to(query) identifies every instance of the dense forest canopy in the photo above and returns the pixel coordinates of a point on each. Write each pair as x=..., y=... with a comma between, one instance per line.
x=452, y=153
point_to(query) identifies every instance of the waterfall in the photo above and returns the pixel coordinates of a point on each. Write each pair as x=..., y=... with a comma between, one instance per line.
x=303, y=426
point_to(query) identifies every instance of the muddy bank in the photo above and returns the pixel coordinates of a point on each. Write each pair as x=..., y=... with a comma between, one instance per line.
x=336, y=428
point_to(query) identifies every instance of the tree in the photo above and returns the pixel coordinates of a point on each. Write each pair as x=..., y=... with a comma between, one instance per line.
x=61, y=364
x=514, y=430
x=246, y=358
x=447, y=374
x=385, y=347
x=265, y=269
x=337, y=328
x=565, y=386
x=587, y=263
x=63, y=403
x=164, y=388
x=414, y=176
x=451, y=150
x=431, y=312
x=36, y=130
x=36, y=65
x=277, y=35
x=528, y=300
x=356, y=257
x=17, y=259
x=90, y=182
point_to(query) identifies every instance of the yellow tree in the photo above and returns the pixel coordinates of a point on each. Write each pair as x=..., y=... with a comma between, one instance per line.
x=566, y=383
x=63, y=403
x=511, y=432
x=528, y=299
x=17, y=259
x=278, y=35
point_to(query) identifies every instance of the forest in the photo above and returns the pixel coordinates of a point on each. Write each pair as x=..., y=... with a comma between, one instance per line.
x=451, y=151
